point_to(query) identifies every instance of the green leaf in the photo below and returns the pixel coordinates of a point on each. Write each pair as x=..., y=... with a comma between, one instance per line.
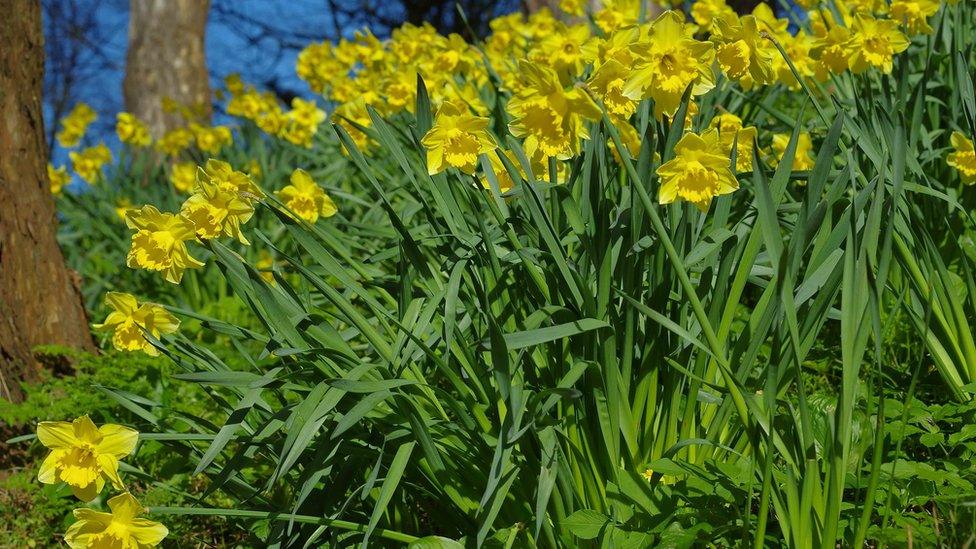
x=528, y=338
x=586, y=524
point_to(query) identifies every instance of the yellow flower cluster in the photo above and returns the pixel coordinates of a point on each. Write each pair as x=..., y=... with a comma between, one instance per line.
x=87, y=163
x=556, y=78
x=74, y=126
x=298, y=125
x=222, y=200
x=85, y=456
x=58, y=177
x=131, y=130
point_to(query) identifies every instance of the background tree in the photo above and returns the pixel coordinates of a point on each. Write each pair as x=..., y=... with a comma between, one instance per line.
x=166, y=59
x=39, y=301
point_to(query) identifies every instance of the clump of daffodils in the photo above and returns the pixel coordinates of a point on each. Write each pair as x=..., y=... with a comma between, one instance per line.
x=74, y=126
x=88, y=163
x=86, y=457
x=298, y=125
x=221, y=201
x=58, y=177
x=132, y=131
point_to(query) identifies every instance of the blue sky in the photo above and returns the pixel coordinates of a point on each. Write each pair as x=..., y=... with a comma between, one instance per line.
x=243, y=36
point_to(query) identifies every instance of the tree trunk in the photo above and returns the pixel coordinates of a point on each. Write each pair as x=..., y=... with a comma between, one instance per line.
x=39, y=300
x=166, y=59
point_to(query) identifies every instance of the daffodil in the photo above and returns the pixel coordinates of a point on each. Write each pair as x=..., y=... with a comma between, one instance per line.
x=120, y=529
x=58, y=177
x=804, y=157
x=211, y=139
x=742, y=51
x=159, y=243
x=131, y=130
x=88, y=163
x=573, y=7
x=914, y=14
x=75, y=124
x=547, y=116
x=731, y=130
x=668, y=61
x=221, y=173
x=265, y=266
x=183, y=176
x=830, y=54
x=301, y=122
x=705, y=12
x=129, y=320
x=217, y=209
x=963, y=158
x=84, y=456
x=306, y=198
x=608, y=82
x=873, y=43
x=456, y=139
x=175, y=141
x=698, y=172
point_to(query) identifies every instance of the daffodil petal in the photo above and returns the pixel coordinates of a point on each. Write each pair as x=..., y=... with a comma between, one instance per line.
x=117, y=440
x=56, y=434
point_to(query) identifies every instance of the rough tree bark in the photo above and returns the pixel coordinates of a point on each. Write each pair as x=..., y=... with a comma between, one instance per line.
x=39, y=299
x=166, y=58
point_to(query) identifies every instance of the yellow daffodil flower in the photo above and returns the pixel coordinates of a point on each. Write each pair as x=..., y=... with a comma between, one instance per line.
x=963, y=158
x=548, y=117
x=88, y=163
x=698, y=172
x=75, y=124
x=914, y=14
x=159, y=243
x=84, y=456
x=131, y=130
x=129, y=319
x=456, y=139
x=306, y=199
x=175, y=141
x=731, y=130
x=873, y=43
x=58, y=177
x=121, y=529
x=668, y=61
x=804, y=157
x=742, y=52
x=217, y=210
x=183, y=176
x=211, y=139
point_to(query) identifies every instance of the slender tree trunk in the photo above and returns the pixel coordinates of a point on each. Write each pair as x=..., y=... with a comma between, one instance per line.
x=39, y=299
x=166, y=59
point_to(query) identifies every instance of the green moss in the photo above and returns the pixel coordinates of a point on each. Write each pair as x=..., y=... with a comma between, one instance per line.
x=36, y=515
